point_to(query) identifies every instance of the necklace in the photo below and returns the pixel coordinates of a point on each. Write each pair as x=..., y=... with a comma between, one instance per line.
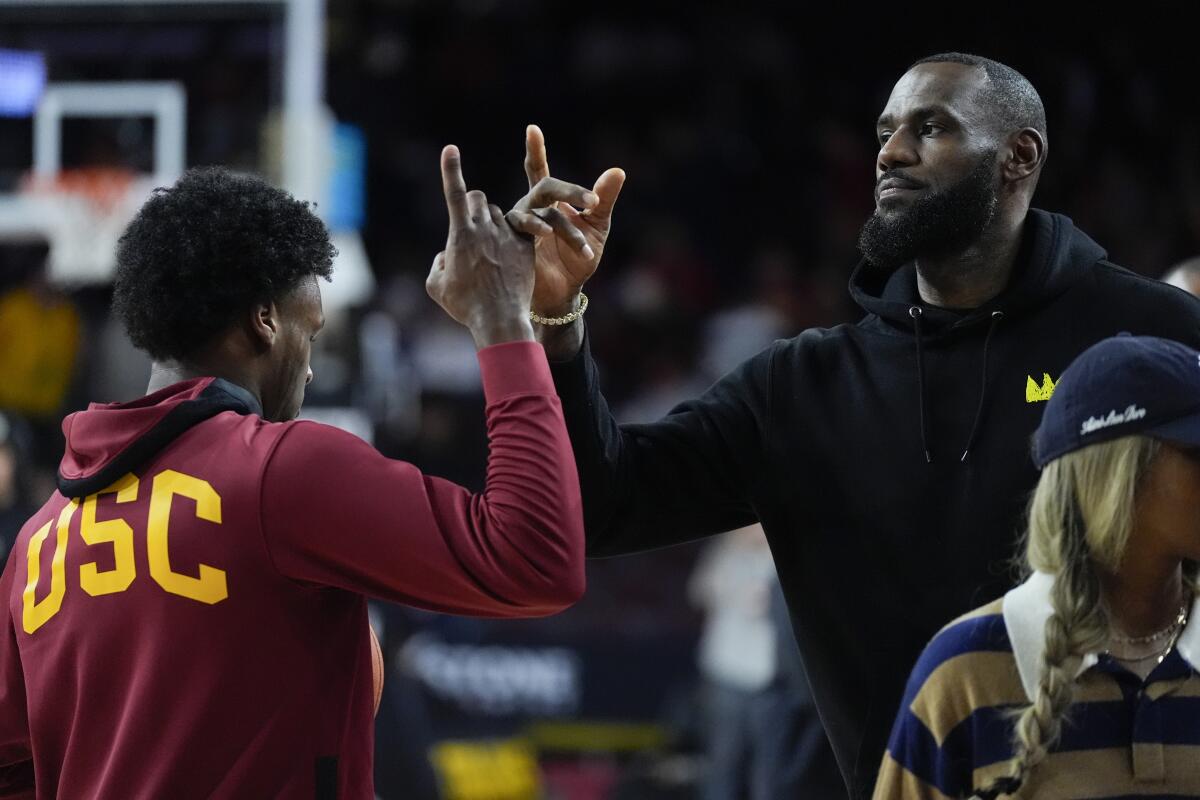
x=1171, y=632
x=1167, y=631
x=1159, y=654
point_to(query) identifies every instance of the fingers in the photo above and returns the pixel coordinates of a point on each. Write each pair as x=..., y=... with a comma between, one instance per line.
x=453, y=185
x=566, y=230
x=436, y=270
x=528, y=223
x=477, y=206
x=496, y=214
x=607, y=188
x=536, y=166
x=549, y=191
x=461, y=204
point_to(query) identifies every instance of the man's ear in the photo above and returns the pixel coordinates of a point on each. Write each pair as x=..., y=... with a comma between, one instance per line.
x=1026, y=153
x=263, y=324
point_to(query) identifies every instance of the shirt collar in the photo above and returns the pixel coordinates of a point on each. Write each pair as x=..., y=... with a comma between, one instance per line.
x=1026, y=609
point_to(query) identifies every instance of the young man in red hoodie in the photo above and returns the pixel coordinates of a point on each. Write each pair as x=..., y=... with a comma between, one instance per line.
x=186, y=617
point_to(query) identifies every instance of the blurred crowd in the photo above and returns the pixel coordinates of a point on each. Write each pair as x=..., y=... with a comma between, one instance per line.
x=748, y=142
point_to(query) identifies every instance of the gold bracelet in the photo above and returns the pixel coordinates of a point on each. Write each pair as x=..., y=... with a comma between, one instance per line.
x=567, y=320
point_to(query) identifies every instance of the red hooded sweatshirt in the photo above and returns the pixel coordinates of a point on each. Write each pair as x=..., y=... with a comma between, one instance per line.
x=186, y=616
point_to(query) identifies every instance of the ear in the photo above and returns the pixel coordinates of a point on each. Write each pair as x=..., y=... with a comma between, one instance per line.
x=1026, y=152
x=263, y=324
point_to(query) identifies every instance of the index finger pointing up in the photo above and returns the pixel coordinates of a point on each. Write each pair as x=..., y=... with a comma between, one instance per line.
x=536, y=167
x=454, y=186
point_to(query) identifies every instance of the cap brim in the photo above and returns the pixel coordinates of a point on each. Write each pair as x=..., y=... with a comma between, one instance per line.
x=1184, y=431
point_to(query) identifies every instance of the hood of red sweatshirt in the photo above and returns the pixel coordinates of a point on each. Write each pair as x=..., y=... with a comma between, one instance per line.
x=109, y=440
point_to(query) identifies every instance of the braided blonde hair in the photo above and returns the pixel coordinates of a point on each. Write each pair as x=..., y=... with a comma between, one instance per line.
x=1080, y=517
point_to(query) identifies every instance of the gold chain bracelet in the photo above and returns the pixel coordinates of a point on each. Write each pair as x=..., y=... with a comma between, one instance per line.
x=567, y=320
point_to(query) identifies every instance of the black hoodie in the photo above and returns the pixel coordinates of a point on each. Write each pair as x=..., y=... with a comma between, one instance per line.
x=887, y=460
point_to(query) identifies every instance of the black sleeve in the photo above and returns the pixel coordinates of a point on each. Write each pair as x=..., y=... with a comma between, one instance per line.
x=1151, y=307
x=681, y=478
x=1177, y=316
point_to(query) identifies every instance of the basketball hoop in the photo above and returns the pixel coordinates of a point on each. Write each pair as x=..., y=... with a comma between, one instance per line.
x=103, y=187
x=82, y=213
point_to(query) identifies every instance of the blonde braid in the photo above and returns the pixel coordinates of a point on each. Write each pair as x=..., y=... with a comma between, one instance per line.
x=1077, y=626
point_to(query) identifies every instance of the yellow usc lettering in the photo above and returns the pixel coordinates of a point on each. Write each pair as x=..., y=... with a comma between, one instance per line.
x=210, y=586
x=116, y=531
x=34, y=614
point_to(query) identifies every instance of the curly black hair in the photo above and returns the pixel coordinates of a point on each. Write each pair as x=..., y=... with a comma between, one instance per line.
x=201, y=252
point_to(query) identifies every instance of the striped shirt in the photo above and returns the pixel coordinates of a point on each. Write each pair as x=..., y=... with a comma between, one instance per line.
x=1123, y=737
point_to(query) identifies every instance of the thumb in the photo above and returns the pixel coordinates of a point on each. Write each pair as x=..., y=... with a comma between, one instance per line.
x=436, y=271
x=607, y=187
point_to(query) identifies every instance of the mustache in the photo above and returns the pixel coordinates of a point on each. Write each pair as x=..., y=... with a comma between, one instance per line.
x=899, y=176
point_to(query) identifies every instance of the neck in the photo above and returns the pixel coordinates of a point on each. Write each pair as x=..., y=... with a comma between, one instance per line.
x=1144, y=596
x=968, y=278
x=165, y=373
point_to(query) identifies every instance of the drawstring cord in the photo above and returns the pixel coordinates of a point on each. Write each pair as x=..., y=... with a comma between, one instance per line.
x=915, y=313
x=996, y=317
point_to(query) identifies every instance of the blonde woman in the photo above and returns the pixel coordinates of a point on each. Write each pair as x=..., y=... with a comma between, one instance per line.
x=1081, y=682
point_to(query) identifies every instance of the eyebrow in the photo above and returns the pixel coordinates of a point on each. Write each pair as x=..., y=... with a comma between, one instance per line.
x=920, y=112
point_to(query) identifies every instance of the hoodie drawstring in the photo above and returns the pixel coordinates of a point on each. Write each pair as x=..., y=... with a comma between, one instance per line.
x=996, y=317
x=915, y=313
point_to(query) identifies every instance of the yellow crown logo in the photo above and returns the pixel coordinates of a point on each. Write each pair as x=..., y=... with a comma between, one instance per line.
x=1039, y=394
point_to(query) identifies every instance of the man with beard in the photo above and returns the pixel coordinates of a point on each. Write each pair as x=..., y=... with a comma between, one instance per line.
x=887, y=460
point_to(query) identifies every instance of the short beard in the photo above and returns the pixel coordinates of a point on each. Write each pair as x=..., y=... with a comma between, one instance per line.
x=936, y=224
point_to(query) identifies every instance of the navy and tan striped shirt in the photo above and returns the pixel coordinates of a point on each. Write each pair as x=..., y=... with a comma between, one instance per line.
x=1123, y=738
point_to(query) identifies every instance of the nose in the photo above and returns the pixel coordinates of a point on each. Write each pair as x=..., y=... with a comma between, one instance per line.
x=897, y=151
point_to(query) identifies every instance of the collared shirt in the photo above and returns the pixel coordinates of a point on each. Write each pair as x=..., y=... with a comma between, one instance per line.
x=1122, y=737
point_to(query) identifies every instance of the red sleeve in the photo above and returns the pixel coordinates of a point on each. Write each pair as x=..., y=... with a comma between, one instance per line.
x=337, y=513
x=16, y=755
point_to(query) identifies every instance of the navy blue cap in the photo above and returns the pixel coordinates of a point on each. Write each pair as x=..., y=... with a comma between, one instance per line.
x=1119, y=387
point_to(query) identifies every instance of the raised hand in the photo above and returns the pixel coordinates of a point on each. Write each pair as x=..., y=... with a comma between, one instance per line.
x=484, y=277
x=567, y=259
